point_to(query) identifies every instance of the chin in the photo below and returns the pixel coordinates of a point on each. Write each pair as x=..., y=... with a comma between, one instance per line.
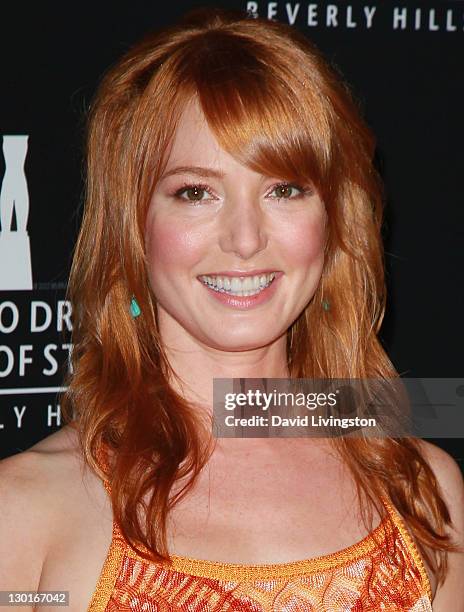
x=240, y=344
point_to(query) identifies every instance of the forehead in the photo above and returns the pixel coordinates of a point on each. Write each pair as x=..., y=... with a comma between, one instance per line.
x=193, y=137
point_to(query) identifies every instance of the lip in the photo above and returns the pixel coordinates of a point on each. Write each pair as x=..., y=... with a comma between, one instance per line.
x=242, y=272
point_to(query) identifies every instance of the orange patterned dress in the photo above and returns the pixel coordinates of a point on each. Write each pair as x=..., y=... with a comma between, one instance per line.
x=382, y=572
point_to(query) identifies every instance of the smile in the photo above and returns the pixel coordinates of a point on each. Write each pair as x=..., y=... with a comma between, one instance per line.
x=238, y=285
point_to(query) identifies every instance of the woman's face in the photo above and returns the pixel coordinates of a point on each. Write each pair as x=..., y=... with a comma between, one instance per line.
x=211, y=216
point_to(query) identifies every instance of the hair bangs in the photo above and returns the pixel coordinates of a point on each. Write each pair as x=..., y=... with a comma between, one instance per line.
x=261, y=113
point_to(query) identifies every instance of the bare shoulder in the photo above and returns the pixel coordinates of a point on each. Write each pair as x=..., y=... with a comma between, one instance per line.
x=26, y=478
x=449, y=595
x=41, y=468
x=59, y=467
x=65, y=440
x=438, y=456
x=37, y=488
x=448, y=474
x=451, y=482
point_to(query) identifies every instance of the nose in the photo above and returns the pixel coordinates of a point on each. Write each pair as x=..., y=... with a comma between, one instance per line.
x=243, y=229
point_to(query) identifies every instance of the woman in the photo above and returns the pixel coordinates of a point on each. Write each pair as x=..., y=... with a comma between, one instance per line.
x=225, y=148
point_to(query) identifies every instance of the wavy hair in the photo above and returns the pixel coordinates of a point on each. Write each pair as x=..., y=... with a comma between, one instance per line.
x=276, y=105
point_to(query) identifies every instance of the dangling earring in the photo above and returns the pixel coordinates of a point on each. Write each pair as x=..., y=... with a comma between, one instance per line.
x=324, y=302
x=134, y=308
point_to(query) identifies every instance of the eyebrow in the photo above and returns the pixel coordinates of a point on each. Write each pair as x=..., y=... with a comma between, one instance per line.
x=197, y=170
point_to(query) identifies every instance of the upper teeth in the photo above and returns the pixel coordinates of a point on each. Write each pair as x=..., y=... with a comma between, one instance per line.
x=238, y=283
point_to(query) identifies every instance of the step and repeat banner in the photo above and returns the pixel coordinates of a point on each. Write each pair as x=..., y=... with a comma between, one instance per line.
x=404, y=62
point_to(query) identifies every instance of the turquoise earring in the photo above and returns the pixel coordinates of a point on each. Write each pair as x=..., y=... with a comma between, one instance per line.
x=326, y=305
x=134, y=308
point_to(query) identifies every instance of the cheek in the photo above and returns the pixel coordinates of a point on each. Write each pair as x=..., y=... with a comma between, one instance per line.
x=170, y=244
x=303, y=242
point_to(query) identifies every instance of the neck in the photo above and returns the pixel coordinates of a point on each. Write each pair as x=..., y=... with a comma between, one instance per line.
x=197, y=365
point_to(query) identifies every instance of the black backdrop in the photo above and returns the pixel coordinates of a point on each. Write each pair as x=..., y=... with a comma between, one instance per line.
x=404, y=61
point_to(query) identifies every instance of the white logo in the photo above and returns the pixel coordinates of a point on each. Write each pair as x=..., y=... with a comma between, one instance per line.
x=15, y=250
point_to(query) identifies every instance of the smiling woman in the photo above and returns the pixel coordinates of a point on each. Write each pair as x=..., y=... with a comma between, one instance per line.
x=242, y=240
x=232, y=229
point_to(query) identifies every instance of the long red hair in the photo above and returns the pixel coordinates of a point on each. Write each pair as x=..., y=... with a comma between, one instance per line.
x=276, y=105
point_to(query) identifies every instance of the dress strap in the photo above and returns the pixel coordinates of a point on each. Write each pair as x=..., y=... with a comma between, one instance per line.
x=400, y=523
